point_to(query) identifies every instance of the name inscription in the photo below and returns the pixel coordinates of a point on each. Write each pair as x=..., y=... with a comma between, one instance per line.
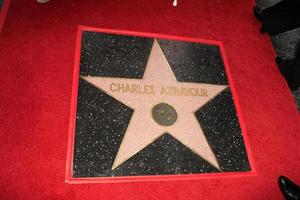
x=163, y=90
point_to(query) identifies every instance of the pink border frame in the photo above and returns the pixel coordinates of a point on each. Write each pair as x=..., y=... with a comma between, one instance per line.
x=70, y=150
x=3, y=12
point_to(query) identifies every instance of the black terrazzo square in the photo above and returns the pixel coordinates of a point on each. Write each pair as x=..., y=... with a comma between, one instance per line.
x=102, y=121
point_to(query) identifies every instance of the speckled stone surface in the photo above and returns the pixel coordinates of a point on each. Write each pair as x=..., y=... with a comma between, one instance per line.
x=101, y=120
x=221, y=127
x=100, y=126
x=200, y=56
x=114, y=55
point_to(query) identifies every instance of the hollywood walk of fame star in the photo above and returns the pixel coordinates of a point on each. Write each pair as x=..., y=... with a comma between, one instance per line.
x=143, y=128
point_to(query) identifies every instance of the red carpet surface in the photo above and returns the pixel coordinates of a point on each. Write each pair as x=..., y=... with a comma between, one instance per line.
x=37, y=45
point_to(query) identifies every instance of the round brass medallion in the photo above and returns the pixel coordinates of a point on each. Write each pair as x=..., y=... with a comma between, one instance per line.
x=164, y=114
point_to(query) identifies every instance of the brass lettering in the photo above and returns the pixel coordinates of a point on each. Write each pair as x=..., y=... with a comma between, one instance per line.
x=164, y=90
x=112, y=87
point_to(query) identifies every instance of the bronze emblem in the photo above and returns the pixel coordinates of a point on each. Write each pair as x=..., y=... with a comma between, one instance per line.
x=164, y=114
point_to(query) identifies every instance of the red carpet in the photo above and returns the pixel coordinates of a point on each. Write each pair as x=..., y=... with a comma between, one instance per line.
x=37, y=45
